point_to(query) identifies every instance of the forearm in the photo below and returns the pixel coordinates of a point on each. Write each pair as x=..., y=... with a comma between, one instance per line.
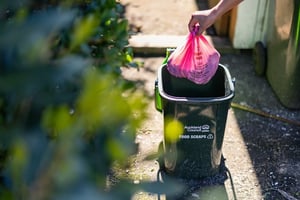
x=224, y=5
x=206, y=18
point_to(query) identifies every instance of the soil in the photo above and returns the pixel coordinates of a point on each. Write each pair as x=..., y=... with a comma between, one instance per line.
x=262, y=154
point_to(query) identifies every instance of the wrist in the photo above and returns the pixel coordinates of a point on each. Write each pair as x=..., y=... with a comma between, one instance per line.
x=215, y=13
x=223, y=6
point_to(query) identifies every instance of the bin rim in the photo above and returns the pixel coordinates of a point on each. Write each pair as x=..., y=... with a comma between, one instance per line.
x=229, y=96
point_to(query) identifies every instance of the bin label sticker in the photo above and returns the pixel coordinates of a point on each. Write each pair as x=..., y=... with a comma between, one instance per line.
x=202, y=128
x=203, y=132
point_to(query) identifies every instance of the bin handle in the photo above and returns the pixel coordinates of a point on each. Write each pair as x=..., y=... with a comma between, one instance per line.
x=233, y=81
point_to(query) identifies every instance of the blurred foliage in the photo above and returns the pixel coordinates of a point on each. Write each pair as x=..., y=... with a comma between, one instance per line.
x=173, y=129
x=66, y=112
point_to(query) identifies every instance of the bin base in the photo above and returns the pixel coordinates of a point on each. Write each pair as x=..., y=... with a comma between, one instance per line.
x=215, y=179
x=218, y=176
x=197, y=186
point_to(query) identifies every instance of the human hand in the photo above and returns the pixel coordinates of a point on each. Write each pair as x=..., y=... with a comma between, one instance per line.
x=203, y=18
x=206, y=18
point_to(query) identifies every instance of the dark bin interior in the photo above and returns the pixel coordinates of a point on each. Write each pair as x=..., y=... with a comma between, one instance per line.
x=181, y=87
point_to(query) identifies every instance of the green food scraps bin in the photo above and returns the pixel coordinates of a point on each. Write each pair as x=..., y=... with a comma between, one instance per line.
x=202, y=112
x=283, y=70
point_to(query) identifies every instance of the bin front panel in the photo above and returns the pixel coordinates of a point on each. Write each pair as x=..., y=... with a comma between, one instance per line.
x=197, y=153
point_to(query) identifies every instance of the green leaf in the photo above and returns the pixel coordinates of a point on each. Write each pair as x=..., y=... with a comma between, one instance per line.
x=84, y=29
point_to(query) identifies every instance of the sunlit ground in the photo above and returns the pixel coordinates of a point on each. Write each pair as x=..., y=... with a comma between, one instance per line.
x=239, y=163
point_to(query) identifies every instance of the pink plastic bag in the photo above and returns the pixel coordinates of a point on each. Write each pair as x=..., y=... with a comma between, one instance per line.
x=195, y=60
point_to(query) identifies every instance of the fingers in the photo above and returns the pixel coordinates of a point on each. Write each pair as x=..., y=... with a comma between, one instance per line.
x=191, y=24
x=200, y=30
x=194, y=26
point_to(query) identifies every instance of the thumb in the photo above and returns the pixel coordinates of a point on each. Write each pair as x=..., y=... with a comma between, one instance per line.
x=198, y=29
